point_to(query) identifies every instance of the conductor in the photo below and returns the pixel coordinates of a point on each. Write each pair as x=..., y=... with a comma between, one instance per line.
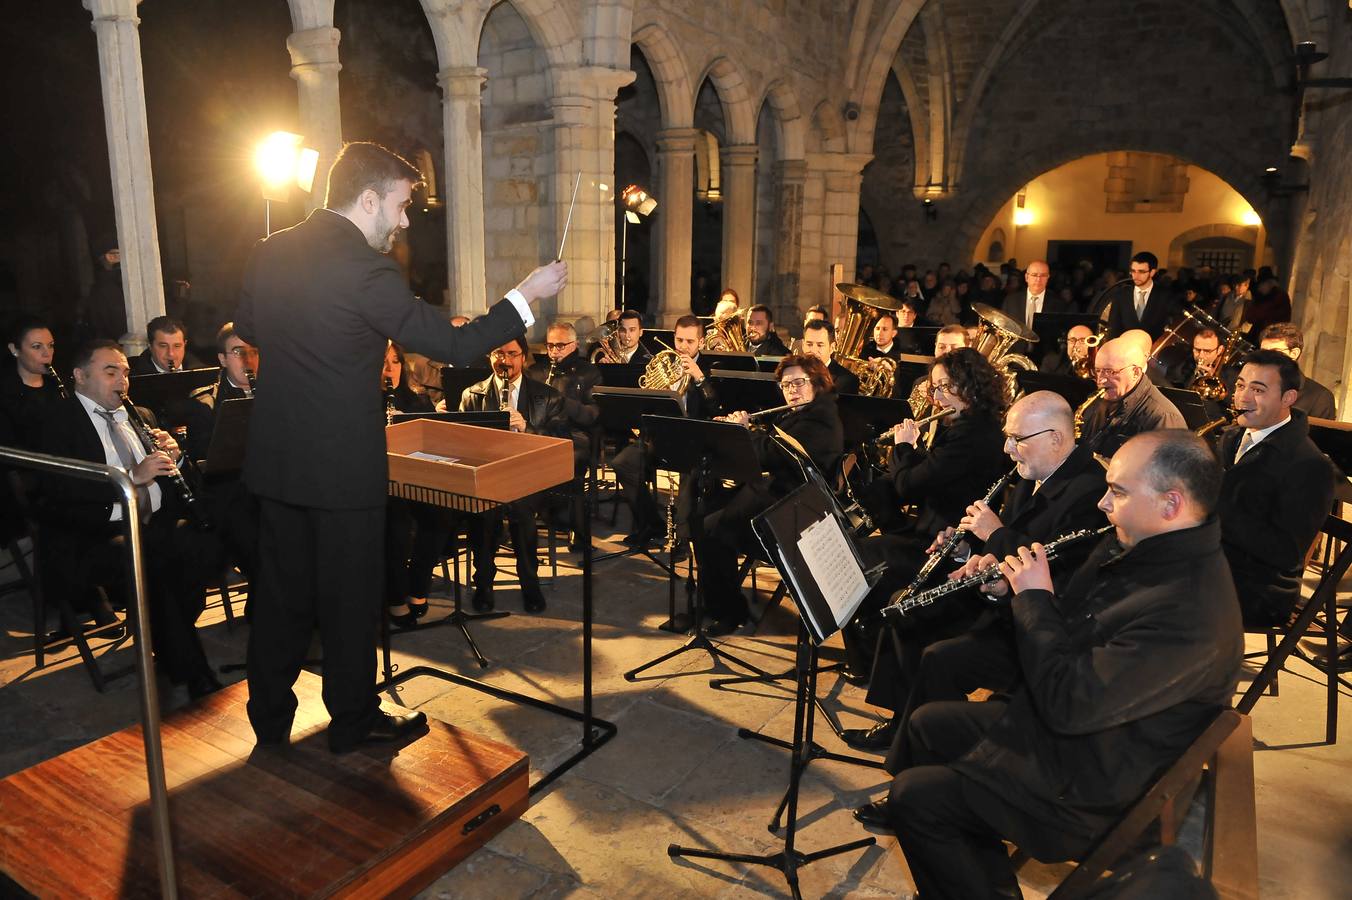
x=320, y=300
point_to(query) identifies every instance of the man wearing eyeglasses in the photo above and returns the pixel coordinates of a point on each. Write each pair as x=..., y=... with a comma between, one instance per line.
x=574, y=377
x=532, y=407
x=1130, y=404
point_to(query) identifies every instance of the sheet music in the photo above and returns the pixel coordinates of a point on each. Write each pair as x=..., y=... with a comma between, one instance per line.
x=432, y=457
x=833, y=567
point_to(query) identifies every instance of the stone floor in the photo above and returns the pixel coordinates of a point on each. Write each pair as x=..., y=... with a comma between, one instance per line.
x=677, y=772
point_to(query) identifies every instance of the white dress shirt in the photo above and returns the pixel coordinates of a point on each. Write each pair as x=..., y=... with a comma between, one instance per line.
x=110, y=450
x=1256, y=436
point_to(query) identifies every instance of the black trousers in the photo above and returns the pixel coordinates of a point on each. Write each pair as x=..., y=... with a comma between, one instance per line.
x=951, y=828
x=325, y=567
x=631, y=468
x=415, y=541
x=485, y=533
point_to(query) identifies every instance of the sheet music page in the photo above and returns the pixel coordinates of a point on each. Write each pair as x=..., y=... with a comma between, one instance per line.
x=432, y=457
x=833, y=567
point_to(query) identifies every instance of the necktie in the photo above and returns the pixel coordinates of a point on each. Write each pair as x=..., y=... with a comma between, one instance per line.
x=1244, y=444
x=125, y=453
x=1140, y=302
x=1034, y=307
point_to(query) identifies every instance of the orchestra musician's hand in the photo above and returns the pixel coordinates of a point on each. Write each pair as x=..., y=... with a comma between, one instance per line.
x=1028, y=569
x=997, y=588
x=906, y=433
x=155, y=465
x=165, y=441
x=940, y=539
x=441, y=405
x=981, y=521
x=545, y=281
x=741, y=417
x=692, y=369
x=515, y=420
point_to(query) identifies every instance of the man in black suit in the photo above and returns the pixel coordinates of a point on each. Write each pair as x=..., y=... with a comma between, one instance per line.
x=761, y=337
x=819, y=340
x=532, y=407
x=1130, y=403
x=82, y=535
x=574, y=378
x=1315, y=400
x=627, y=341
x=1147, y=305
x=1022, y=307
x=1278, y=488
x=1059, y=487
x=1123, y=669
x=320, y=301
x=884, y=343
x=168, y=350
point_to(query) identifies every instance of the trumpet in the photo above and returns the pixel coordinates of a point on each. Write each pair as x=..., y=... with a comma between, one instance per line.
x=185, y=493
x=60, y=385
x=954, y=539
x=885, y=439
x=901, y=606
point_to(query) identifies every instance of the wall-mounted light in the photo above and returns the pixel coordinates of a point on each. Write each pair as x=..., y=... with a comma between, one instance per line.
x=1250, y=218
x=931, y=211
x=1023, y=217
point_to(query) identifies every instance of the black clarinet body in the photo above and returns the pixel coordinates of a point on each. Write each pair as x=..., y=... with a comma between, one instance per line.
x=193, y=505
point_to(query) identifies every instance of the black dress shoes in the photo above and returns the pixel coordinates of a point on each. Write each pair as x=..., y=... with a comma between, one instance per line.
x=532, y=599
x=404, y=620
x=388, y=727
x=874, y=814
x=203, y=685
x=483, y=599
x=879, y=737
x=724, y=627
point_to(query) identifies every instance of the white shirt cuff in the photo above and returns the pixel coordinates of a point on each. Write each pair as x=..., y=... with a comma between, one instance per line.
x=522, y=307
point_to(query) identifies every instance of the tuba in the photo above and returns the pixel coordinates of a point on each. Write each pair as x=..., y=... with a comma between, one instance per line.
x=607, y=349
x=727, y=335
x=863, y=306
x=998, y=333
x=665, y=372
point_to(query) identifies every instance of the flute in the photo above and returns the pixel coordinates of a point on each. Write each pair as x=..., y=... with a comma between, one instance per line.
x=901, y=606
x=886, y=438
x=958, y=534
x=60, y=385
x=774, y=409
x=185, y=493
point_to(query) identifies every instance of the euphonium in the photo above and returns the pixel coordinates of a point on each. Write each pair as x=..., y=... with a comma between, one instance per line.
x=726, y=335
x=608, y=348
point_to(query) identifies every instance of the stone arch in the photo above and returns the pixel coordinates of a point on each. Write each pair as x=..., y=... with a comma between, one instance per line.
x=549, y=25
x=829, y=128
x=739, y=115
x=919, y=136
x=674, y=91
x=307, y=14
x=783, y=101
x=609, y=25
x=1180, y=243
x=882, y=49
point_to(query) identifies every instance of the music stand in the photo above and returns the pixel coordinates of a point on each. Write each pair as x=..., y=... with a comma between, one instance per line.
x=805, y=539
x=738, y=362
x=1190, y=404
x=620, y=374
x=1074, y=390
x=653, y=338
x=159, y=392
x=750, y=391
x=910, y=369
x=708, y=450
x=865, y=418
x=919, y=337
x=768, y=363
x=457, y=617
x=229, y=437
x=454, y=380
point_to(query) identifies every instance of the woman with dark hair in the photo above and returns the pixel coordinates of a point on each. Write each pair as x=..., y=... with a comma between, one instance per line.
x=415, y=533
x=814, y=423
x=26, y=386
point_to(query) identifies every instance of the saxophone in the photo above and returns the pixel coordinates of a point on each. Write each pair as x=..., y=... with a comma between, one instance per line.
x=1082, y=409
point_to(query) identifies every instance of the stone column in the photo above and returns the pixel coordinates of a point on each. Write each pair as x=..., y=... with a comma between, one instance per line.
x=314, y=66
x=675, y=211
x=124, y=116
x=790, y=178
x=843, y=173
x=583, y=106
x=738, y=171
x=463, y=176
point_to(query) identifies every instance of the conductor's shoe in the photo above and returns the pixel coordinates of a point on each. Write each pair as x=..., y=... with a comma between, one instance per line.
x=388, y=727
x=879, y=737
x=532, y=599
x=874, y=814
x=483, y=599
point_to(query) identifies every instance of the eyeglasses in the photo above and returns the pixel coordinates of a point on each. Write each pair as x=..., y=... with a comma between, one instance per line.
x=1078, y=340
x=1112, y=373
x=505, y=354
x=797, y=383
x=552, y=345
x=1024, y=438
x=243, y=352
x=945, y=386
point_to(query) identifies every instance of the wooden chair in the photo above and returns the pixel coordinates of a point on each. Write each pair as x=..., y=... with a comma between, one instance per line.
x=1337, y=532
x=1220, y=761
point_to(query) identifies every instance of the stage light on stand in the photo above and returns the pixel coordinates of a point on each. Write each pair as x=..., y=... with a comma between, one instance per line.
x=637, y=206
x=283, y=163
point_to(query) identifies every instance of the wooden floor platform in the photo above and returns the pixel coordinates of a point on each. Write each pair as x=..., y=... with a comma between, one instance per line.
x=293, y=822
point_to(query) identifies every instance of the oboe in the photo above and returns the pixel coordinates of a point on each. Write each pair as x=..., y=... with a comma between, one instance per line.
x=958, y=534
x=60, y=385
x=901, y=606
x=549, y=376
x=185, y=493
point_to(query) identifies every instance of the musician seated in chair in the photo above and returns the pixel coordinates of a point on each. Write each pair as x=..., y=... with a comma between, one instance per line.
x=819, y=340
x=415, y=533
x=1278, y=489
x=1058, y=489
x=569, y=373
x=27, y=386
x=1130, y=404
x=1123, y=669
x=167, y=350
x=82, y=545
x=532, y=407
x=815, y=425
x=631, y=463
x=761, y=337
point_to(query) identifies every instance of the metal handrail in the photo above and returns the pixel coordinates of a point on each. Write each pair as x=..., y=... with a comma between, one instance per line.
x=150, y=702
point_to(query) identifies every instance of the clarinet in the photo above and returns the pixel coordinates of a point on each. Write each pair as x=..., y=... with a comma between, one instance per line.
x=60, y=385
x=185, y=493
x=253, y=382
x=958, y=534
x=549, y=376
x=900, y=606
x=389, y=402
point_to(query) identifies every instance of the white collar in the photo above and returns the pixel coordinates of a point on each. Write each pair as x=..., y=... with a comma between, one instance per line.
x=882, y=349
x=1259, y=434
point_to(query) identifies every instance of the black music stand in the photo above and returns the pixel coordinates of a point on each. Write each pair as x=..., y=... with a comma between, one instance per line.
x=1074, y=390
x=707, y=450
x=768, y=363
x=1190, y=404
x=160, y=392
x=654, y=338
x=457, y=616
x=710, y=360
x=454, y=380
x=749, y=391
x=910, y=369
x=620, y=374
x=866, y=418
x=805, y=539
x=918, y=339
x=229, y=437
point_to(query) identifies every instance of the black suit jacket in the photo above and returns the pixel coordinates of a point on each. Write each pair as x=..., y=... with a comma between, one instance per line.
x=1144, y=408
x=1272, y=503
x=1160, y=307
x=574, y=378
x=1315, y=400
x=539, y=404
x=817, y=428
x=319, y=304
x=1016, y=305
x=144, y=364
x=966, y=458
x=771, y=346
x=843, y=380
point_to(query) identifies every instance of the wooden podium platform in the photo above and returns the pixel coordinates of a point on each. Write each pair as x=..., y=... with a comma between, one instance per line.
x=295, y=822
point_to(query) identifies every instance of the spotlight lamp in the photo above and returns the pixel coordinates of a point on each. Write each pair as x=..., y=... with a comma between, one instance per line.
x=283, y=163
x=636, y=200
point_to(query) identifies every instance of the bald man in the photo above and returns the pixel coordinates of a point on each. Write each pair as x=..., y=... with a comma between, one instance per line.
x=1022, y=307
x=1130, y=404
x=1075, y=352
